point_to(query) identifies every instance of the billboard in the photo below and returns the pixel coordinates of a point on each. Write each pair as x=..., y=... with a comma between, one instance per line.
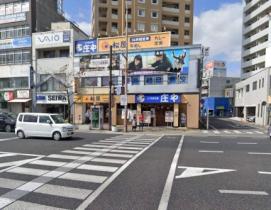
x=135, y=42
x=52, y=38
x=15, y=43
x=85, y=47
x=158, y=98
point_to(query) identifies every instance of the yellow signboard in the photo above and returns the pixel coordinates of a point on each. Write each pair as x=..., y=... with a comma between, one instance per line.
x=91, y=99
x=136, y=42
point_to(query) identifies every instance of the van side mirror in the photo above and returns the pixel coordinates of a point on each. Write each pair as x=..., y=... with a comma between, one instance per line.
x=49, y=122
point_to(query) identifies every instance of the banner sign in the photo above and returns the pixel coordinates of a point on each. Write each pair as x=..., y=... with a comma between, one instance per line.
x=12, y=18
x=15, y=43
x=54, y=98
x=86, y=47
x=135, y=42
x=158, y=98
x=52, y=38
x=6, y=96
x=23, y=94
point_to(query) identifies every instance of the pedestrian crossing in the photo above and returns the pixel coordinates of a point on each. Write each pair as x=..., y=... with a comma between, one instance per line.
x=232, y=132
x=71, y=176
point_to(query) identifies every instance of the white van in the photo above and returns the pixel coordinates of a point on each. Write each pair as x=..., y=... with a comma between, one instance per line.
x=42, y=125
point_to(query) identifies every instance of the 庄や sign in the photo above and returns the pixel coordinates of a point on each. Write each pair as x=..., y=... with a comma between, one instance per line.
x=158, y=98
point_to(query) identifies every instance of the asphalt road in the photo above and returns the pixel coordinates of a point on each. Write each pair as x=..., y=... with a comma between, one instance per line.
x=226, y=123
x=100, y=171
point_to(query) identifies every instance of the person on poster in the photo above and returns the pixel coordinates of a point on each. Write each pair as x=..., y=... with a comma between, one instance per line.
x=136, y=64
x=179, y=62
x=162, y=62
x=115, y=63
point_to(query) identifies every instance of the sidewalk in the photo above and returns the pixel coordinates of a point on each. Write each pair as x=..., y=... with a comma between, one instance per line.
x=146, y=130
x=243, y=121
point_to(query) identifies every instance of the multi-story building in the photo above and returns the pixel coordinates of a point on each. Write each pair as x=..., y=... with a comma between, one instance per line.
x=144, y=16
x=54, y=82
x=18, y=20
x=256, y=33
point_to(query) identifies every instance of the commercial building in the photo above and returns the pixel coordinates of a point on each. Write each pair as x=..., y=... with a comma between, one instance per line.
x=150, y=16
x=163, y=84
x=217, y=107
x=53, y=64
x=18, y=19
x=256, y=33
x=253, y=97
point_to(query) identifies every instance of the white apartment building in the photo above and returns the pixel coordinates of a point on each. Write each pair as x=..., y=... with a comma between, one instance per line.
x=253, y=97
x=256, y=33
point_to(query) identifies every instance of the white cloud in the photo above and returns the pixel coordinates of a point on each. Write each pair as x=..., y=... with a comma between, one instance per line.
x=85, y=26
x=221, y=30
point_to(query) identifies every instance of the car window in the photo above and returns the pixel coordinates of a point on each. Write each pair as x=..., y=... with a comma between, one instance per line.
x=20, y=118
x=30, y=118
x=44, y=119
x=58, y=119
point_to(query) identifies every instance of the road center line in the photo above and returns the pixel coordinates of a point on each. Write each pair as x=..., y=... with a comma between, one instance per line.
x=209, y=142
x=264, y=172
x=8, y=139
x=258, y=153
x=210, y=151
x=243, y=192
x=168, y=186
x=247, y=143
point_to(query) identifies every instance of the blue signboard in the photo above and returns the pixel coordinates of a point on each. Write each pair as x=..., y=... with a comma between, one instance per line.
x=86, y=47
x=15, y=43
x=158, y=98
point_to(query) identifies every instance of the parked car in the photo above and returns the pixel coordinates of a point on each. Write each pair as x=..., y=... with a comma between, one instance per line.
x=7, y=122
x=43, y=125
x=251, y=118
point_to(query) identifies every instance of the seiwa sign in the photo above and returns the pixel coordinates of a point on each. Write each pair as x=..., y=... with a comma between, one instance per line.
x=52, y=38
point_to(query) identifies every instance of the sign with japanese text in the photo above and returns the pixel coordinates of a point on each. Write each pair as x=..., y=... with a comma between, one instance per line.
x=158, y=98
x=91, y=99
x=135, y=42
x=15, y=43
x=86, y=47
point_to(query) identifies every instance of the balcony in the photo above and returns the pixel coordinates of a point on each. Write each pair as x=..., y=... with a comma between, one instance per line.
x=115, y=3
x=255, y=49
x=258, y=11
x=170, y=22
x=175, y=36
x=170, y=10
x=254, y=61
x=187, y=12
x=251, y=4
x=114, y=16
x=256, y=36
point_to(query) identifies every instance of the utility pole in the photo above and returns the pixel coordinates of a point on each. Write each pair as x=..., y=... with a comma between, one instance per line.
x=126, y=68
x=110, y=90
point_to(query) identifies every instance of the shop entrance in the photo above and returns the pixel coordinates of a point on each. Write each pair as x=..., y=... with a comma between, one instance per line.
x=158, y=114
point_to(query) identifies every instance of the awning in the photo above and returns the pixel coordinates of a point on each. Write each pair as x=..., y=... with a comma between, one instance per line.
x=19, y=100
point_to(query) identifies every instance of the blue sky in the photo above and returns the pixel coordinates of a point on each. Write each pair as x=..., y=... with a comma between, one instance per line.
x=218, y=25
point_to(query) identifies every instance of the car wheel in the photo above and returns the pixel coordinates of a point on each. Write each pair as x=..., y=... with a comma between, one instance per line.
x=8, y=128
x=20, y=134
x=56, y=136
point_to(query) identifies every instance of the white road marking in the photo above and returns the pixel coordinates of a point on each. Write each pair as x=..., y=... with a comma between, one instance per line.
x=9, y=139
x=10, y=183
x=68, y=192
x=205, y=132
x=264, y=172
x=209, y=142
x=28, y=171
x=228, y=132
x=116, y=155
x=83, y=177
x=258, y=153
x=243, y=192
x=211, y=151
x=249, y=132
x=106, y=160
x=100, y=189
x=98, y=168
x=196, y=171
x=76, y=152
x=48, y=163
x=130, y=148
x=6, y=201
x=28, y=205
x=169, y=182
x=259, y=132
x=216, y=132
x=30, y=186
x=7, y=155
x=68, y=157
x=237, y=132
x=123, y=151
x=248, y=143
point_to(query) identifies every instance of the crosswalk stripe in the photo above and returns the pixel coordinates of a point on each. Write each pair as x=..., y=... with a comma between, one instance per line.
x=205, y=131
x=98, y=168
x=236, y=131
x=123, y=151
x=69, y=157
x=136, y=143
x=30, y=186
x=216, y=132
x=91, y=149
x=7, y=155
x=62, y=191
x=76, y=152
x=83, y=177
x=48, y=163
x=28, y=171
x=10, y=183
x=249, y=132
x=116, y=155
x=106, y=160
x=259, y=132
x=29, y=205
x=226, y=131
x=129, y=148
x=99, y=146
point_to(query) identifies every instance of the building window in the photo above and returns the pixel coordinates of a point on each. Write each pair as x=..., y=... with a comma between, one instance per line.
x=260, y=85
x=135, y=80
x=172, y=79
x=187, y=7
x=154, y=1
x=55, y=83
x=186, y=33
x=141, y=26
x=262, y=82
x=141, y=12
x=258, y=112
x=89, y=82
x=154, y=14
x=153, y=80
x=247, y=88
x=187, y=20
x=254, y=85
x=154, y=27
x=105, y=81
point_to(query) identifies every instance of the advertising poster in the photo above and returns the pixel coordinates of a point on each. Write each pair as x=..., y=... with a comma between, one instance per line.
x=147, y=117
x=169, y=117
x=135, y=42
